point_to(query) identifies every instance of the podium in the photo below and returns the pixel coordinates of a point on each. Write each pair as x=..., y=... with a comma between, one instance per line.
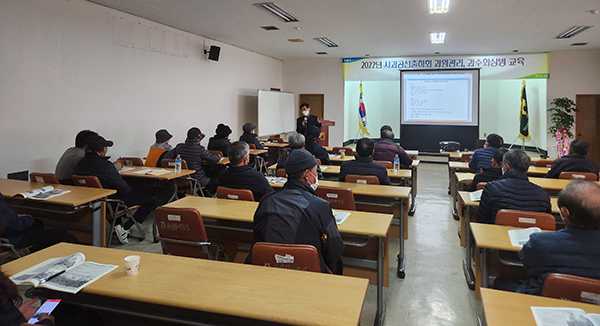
x=324, y=135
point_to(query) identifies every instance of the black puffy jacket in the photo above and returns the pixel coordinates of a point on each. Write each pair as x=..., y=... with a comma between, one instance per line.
x=99, y=166
x=512, y=191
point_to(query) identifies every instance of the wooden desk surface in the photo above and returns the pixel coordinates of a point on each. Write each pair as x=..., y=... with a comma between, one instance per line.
x=459, y=166
x=456, y=155
x=166, y=176
x=504, y=308
x=532, y=171
x=77, y=196
x=365, y=189
x=363, y=223
x=464, y=177
x=275, y=145
x=491, y=236
x=258, y=151
x=466, y=201
x=335, y=169
x=413, y=153
x=220, y=287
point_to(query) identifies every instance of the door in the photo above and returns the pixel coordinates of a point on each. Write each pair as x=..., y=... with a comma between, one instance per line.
x=315, y=101
x=587, y=122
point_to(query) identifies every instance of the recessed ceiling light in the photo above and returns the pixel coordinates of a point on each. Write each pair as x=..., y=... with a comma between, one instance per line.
x=579, y=44
x=326, y=41
x=439, y=6
x=321, y=53
x=437, y=52
x=573, y=31
x=437, y=38
x=367, y=55
x=273, y=8
x=269, y=28
x=295, y=40
x=515, y=50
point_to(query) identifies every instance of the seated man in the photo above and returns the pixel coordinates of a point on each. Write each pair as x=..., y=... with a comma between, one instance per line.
x=240, y=175
x=162, y=140
x=576, y=161
x=96, y=163
x=574, y=250
x=386, y=149
x=24, y=230
x=296, y=215
x=220, y=141
x=70, y=158
x=249, y=135
x=513, y=190
x=194, y=155
x=492, y=173
x=483, y=157
x=363, y=163
x=312, y=145
x=159, y=149
x=295, y=141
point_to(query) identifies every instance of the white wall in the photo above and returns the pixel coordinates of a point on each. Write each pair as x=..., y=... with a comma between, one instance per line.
x=319, y=76
x=572, y=73
x=69, y=65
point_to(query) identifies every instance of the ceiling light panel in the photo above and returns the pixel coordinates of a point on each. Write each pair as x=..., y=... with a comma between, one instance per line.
x=326, y=41
x=574, y=30
x=276, y=10
x=439, y=6
x=437, y=38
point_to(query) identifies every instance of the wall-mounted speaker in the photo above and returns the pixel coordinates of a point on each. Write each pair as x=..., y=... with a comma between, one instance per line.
x=213, y=53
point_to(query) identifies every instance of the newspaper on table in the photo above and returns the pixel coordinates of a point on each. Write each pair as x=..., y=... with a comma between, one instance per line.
x=66, y=274
x=42, y=193
x=340, y=217
x=559, y=316
x=520, y=237
x=277, y=180
x=476, y=195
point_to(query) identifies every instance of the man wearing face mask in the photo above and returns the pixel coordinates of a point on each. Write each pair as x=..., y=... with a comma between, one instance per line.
x=513, y=190
x=296, y=215
x=307, y=120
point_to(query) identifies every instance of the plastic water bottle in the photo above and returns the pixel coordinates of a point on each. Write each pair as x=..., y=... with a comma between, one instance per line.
x=396, y=163
x=178, y=164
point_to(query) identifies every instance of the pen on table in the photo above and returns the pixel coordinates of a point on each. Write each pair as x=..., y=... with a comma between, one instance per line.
x=53, y=276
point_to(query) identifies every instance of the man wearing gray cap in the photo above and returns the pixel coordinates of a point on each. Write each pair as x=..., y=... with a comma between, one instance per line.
x=296, y=215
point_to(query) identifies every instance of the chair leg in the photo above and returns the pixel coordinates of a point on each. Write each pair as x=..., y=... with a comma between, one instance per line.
x=137, y=225
x=112, y=227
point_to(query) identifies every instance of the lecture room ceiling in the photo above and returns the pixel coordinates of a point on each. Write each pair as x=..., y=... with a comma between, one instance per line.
x=379, y=28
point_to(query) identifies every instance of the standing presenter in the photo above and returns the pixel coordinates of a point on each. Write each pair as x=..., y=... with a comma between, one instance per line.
x=307, y=120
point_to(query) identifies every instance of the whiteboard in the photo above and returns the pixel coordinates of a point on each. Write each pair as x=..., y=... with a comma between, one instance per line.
x=276, y=113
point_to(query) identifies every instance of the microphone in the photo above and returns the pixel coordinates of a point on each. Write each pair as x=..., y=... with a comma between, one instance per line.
x=305, y=119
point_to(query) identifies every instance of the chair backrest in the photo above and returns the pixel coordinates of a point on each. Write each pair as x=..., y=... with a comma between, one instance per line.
x=132, y=161
x=170, y=163
x=543, y=163
x=219, y=153
x=90, y=181
x=364, y=179
x=589, y=176
x=181, y=224
x=348, y=150
x=319, y=161
x=481, y=185
x=572, y=288
x=281, y=173
x=276, y=139
x=338, y=197
x=523, y=219
x=466, y=157
x=153, y=156
x=388, y=164
x=44, y=177
x=252, y=146
x=235, y=194
x=290, y=256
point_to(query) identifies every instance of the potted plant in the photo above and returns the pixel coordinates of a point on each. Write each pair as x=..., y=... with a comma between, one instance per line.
x=562, y=118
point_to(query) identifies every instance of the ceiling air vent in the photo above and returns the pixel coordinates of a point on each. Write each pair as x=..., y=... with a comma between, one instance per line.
x=573, y=31
x=269, y=28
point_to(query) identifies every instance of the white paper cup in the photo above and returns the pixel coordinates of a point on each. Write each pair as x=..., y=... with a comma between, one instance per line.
x=132, y=264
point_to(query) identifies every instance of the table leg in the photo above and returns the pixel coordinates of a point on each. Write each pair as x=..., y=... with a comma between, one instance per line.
x=380, y=316
x=413, y=192
x=449, y=179
x=466, y=228
x=454, y=196
x=401, y=255
x=98, y=227
x=478, y=273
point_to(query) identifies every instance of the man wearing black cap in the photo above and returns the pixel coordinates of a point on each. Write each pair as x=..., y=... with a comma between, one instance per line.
x=296, y=215
x=312, y=145
x=307, y=120
x=363, y=163
x=249, y=135
x=96, y=163
x=240, y=175
x=194, y=155
x=162, y=140
x=220, y=141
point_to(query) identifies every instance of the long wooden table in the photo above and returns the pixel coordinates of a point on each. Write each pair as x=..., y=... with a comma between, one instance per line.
x=199, y=291
x=377, y=192
x=502, y=308
x=465, y=232
x=360, y=223
x=74, y=200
